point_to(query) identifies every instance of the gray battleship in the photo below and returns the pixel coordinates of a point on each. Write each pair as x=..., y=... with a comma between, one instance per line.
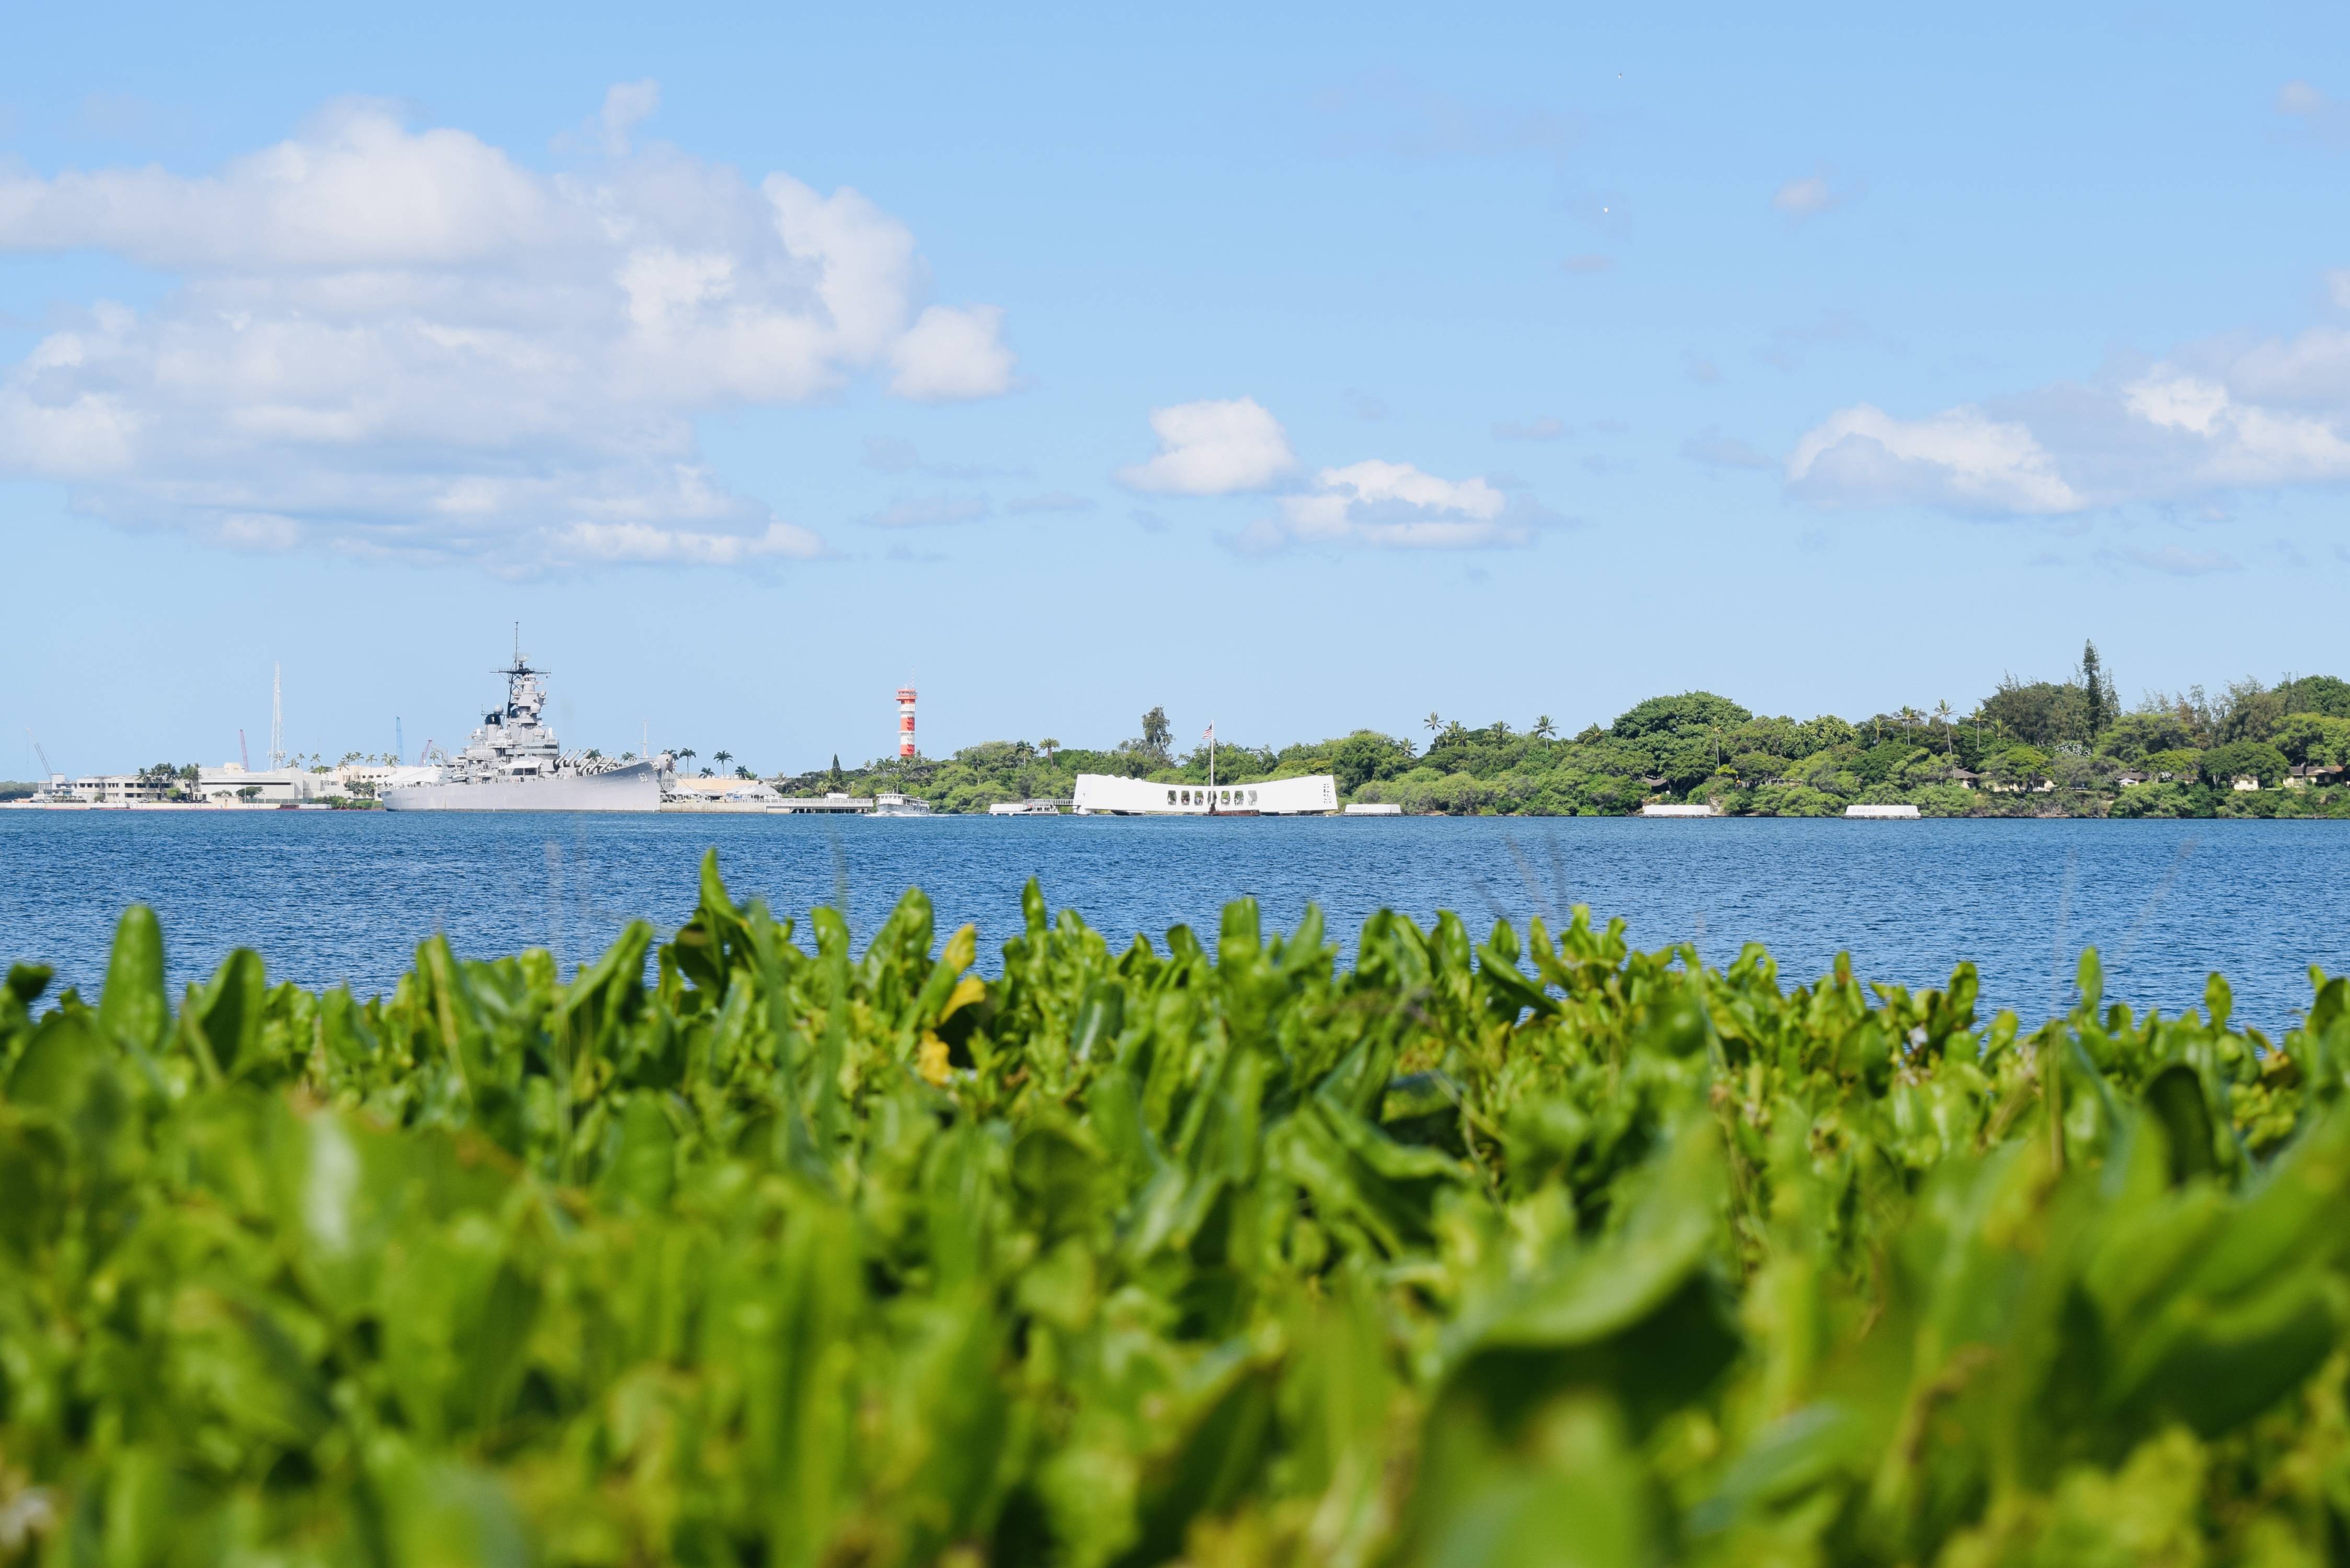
x=512, y=764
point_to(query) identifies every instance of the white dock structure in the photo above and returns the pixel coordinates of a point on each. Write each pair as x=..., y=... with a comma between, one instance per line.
x=1099, y=794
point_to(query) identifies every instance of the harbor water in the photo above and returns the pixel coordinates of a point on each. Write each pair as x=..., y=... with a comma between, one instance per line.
x=344, y=897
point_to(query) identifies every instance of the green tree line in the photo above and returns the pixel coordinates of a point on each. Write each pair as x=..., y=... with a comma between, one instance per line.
x=2027, y=748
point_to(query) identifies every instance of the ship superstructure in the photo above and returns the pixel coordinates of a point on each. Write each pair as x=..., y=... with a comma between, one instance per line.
x=514, y=762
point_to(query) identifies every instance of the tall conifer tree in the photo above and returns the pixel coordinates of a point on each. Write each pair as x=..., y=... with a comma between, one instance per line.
x=2097, y=690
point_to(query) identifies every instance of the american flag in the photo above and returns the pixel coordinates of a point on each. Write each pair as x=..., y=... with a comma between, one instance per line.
x=1208, y=734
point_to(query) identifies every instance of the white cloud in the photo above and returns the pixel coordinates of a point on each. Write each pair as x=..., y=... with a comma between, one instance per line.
x=1822, y=191
x=2237, y=443
x=644, y=543
x=1715, y=450
x=1390, y=505
x=402, y=342
x=2214, y=419
x=626, y=105
x=953, y=355
x=1214, y=448
x=2300, y=97
x=891, y=454
x=1788, y=343
x=1547, y=427
x=1051, y=500
x=929, y=511
x=2174, y=559
x=257, y=532
x=2324, y=120
x=1961, y=460
x=1804, y=197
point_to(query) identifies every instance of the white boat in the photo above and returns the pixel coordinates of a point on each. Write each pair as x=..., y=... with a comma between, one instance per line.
x=891, y=804
x=512, y=764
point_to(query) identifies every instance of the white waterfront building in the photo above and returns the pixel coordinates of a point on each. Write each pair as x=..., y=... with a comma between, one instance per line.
x=1099, y=794
x=227, y=785
x=292, y=786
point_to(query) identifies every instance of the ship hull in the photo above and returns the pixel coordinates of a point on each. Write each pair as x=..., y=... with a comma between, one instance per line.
x=634, y=788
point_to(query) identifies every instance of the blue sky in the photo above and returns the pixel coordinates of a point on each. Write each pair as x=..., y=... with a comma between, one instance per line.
x=1300, y=369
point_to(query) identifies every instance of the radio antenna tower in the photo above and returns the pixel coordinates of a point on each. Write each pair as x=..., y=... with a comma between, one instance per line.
x=276, y=717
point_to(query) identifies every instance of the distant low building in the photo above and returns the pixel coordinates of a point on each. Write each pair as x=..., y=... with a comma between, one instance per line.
x=227, y=784
x=2245, y=783
x=122, y=789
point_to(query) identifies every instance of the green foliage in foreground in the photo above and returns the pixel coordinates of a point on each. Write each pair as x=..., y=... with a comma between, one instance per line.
x=1532, y=1250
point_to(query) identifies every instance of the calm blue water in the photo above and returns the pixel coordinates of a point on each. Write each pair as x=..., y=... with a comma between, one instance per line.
x=345, y=896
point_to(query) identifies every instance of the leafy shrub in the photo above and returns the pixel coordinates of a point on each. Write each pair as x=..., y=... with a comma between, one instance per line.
x=2313, y=738
x=1945, y=800
x=2222, y=766
x=1366, y=756
x=1691, y=713
x=1515, y=1252
x=2164, y=800
x=2019, y=767
x=1795, y=800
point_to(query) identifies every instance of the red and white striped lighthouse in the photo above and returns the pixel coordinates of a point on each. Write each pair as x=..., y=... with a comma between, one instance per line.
x=905, y=720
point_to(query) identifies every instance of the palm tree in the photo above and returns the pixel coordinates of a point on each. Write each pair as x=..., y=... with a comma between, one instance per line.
x=1942, y=712
x=1435, y=724
x=1500, y=730
x=722, y=758
x=1543, y=729
x=1049, y=746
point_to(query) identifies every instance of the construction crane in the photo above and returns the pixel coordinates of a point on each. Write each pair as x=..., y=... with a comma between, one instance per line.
x=242, y=756
x=49, y=774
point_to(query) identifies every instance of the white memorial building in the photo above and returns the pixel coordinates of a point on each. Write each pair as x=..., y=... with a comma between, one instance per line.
x=1099, y=794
